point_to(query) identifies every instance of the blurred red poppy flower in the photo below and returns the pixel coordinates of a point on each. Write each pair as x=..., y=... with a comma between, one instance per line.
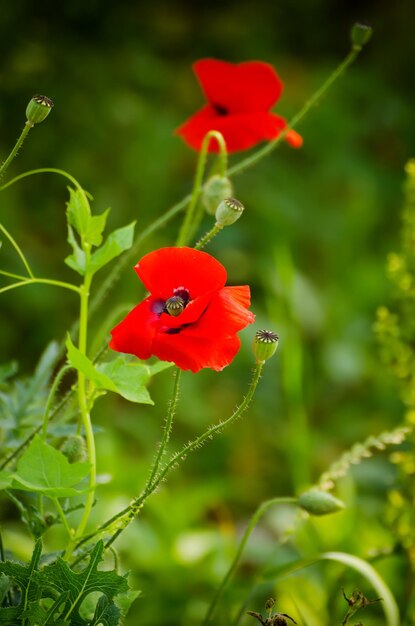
x=190, y=317
x=239, y=100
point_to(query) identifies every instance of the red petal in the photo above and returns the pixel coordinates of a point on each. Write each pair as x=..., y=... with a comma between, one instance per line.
x=134, y=335
x=194, y=353
x=239, y=131
x=167, y=269
x=238, y=88
x=225, y=316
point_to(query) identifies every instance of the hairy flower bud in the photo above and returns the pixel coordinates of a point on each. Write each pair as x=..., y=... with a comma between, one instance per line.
x=318, y=502
x=229, y=211
x=74, y=449
x=265, y=345
x=360, y=35
x=215, y=191
x=38, y=109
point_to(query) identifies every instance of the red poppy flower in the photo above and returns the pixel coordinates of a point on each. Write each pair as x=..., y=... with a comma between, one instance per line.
x=239, y=99
x=190, y=317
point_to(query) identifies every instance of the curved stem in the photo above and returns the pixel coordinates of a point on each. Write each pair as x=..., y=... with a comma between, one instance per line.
x=189, y=223
x=167, y=428
x=18, y=250
x=41, y=281
x=16, y=148
x=127, y=515
x=45, y=170
x=261, y=510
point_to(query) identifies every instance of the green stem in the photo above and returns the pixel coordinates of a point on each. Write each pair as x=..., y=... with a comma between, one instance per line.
x=41, y=281
x=16, y=148
x=85, y=417
x=259, y=513
x=167, y=429
x=260, y=154
x=189, y=224
x=203, y=241
x=46, y=170
x=131, y=511
x=11, y=275
x=58, y=379
x=63, y=517
x=18, y=250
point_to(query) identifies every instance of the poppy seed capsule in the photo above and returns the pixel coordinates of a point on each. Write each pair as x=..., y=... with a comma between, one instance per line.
x=360, y=35
x=174, y=305
x=38, y=109
x=229, y=211
x=265, y=345
x=318, y=502
x=216, y=189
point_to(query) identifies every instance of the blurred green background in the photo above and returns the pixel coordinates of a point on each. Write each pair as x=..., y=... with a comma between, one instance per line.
x=312, y=244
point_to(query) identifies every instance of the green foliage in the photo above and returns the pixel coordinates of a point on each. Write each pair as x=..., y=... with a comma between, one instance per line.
x=22, y=401
x=90, y=229
x=123, y=375
x=45, y=470
x=55, y=593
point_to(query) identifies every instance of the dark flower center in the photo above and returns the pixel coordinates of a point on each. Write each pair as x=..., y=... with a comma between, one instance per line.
x=220, y=110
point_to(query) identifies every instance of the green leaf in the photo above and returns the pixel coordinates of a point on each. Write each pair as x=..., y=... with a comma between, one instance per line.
x=43, y=469
x=80, y=584
x=78, y=210
x=106, y=613
x=5, y=582
x=121, y=375
x=23, y=576
x=83, y=364
x=5, y=480
x=116, y=243
x=89, y=227
x=76, y=260
x=52, y=596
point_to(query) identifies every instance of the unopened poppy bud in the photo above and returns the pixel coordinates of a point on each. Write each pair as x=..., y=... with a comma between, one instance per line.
x=74, y=449
x=265, y=345
x=360, y=35
x=38, y=109
x=229, y=211
x=216, y=189
x=175, y=305
x=318, y=502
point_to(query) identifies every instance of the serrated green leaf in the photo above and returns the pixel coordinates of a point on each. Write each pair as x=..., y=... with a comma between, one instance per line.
x=5, y=582
x=76, y=260
x=83, y=364
x=80, y=584
x=93, y=233
x=106, y=613
x=45, y=470
x=23, y=576
x=125, y=600
x=116, y=243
